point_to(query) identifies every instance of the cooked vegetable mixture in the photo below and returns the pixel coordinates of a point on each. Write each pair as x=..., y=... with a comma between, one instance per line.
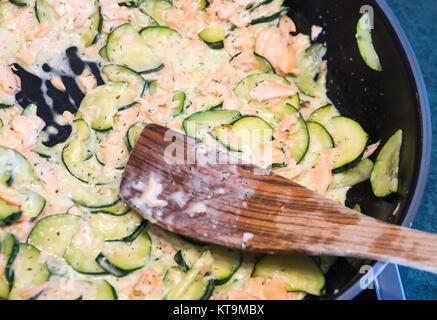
x=226, y=66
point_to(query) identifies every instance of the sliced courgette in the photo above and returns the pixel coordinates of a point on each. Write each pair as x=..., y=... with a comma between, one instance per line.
x=136, y=82
x=361, y=172
x=111, y=227
x=127, y=48
x=100, y=290
x=122, y=257
x=89, y=33
x=118, y=209
x=384, y=178
x=83, y=250
x=202, y=122
x=133, y=133
x=264, y=65
x=312, y=77
x=21, y=170
x=30, y=272
x=351, y=141
x=8, y=214
x=365, y=43
x=297, y=272
x=193, y=286
x=158, y=35
x=319, y=137
x=324, y=114
x=158, y=9
x=213, y=36
x=53, y=234
x=101, y=104
x=9, y=248
x=244, y=134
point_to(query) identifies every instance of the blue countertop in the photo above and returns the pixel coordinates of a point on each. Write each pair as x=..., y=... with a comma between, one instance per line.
x=418, y=20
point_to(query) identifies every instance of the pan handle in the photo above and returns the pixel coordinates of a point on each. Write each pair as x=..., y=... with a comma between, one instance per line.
x=388, y=284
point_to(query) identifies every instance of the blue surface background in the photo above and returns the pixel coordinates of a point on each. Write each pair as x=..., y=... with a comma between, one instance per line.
x=418, y=18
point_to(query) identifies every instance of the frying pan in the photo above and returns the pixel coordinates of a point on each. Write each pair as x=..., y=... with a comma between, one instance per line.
x=382, y=102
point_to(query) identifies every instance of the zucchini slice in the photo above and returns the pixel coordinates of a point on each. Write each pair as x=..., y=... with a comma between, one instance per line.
x=100, y=290
x=9, y=248
x=190, y=287
x=324, y=114
x=319, y=137
x=17, y=165
x=29, y=110
x=297, y=272
x=133, y=133
x=156, y=35
x=157, y=9
x=243, y=134
x=242, y=89
x=361, y=172
x=75, y=157
x=89, y=34
x=118, y=209
x=213, y=36
x=93, y=197
x=272, y=17
x=180, y=97
x=112, y=228
x=54, y=233
x=365, y=43
x=350, y=139
x=312, y=79
x=83, y=250
x=127, y=48
x=384, y=178
x=226, y=262
x=136, y=82
x=30, y=272
x=8, y=214
x=122, y=257
x=101, y=104
x=264, y=65
x=202, y=122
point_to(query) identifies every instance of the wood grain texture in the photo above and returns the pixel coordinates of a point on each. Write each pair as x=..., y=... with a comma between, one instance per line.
x=282, y=216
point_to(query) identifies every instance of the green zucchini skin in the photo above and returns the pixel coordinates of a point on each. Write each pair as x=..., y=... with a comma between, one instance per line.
x=365, y=43
x=19, y=3
x=385, y=174
x=270, y=18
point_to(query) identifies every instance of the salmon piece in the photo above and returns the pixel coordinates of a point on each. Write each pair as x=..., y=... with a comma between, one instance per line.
x=246, y=61
x=315, y=32
x=272, y=90
x=174, y=275
x=87, y=81
x=33, y=290
x=21, y=230
x=300, y=43
x=241, y=295
x=321, y=175
x=240, y=40
x=91, y=51
x=286, y=25
x=222, y=9
x=43, y=28
x=113, y=152
x=50, y=175
x=287, y=60
x=275, y=290
x=185, y=20
x=27, y=54
x=68, y=116
x=169, y=249
x=253, y=286
x=226, y=74
x=115, y=15
x=149, y=282
x=371, y=149
x=22, y=133
x=57, y=83
x=10, y=83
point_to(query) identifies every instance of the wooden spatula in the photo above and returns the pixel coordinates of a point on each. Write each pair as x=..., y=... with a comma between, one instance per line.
x=235, y=205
